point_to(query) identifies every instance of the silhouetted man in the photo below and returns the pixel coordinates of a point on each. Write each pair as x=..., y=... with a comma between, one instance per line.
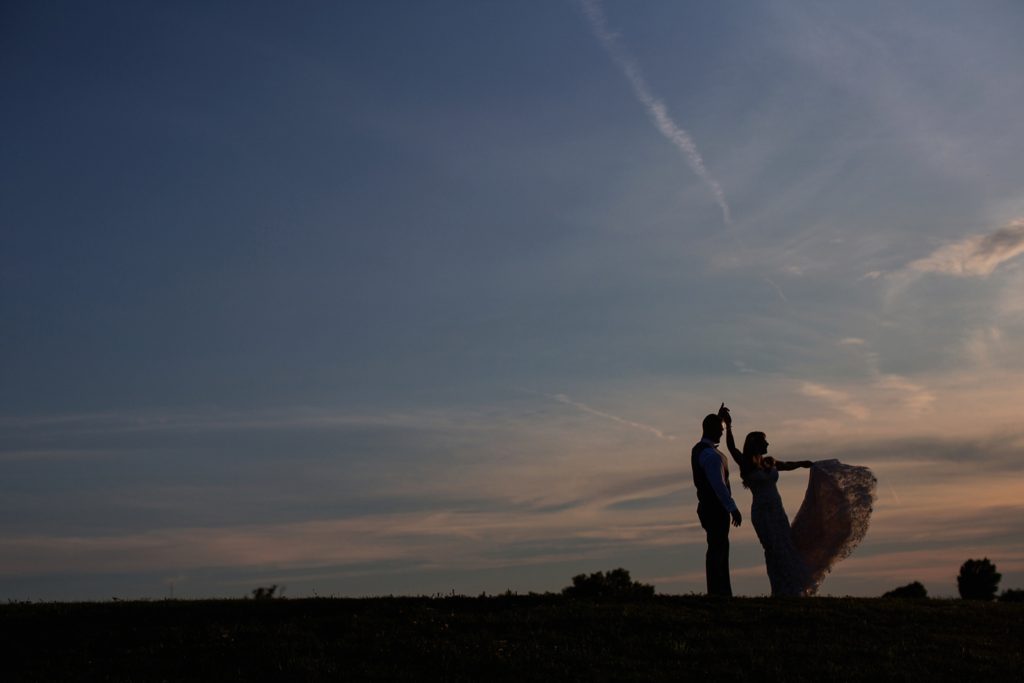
x=715, y=505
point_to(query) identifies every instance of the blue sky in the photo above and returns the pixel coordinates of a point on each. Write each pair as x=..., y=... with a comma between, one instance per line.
x=409, y=297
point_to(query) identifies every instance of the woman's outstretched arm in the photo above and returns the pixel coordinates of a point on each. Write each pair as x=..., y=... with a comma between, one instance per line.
x=783, y=466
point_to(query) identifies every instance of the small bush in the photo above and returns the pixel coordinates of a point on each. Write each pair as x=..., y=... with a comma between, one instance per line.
x=911, y=590
x=978, y=580
x=1012, y=595
x=265, y=593
x=614, y=584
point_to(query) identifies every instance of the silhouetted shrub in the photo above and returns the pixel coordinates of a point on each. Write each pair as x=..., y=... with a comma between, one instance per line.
x=911, y=590
x=1012, y=595
x=265, y=593
x=978, y=580
x=614, y=584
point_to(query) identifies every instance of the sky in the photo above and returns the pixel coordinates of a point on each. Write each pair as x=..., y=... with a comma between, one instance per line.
x=412, y=298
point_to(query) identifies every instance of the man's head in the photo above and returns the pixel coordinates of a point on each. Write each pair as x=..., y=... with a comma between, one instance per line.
x=712, y=426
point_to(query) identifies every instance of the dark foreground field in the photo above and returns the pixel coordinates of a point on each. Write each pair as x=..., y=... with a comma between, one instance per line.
x=537, y=637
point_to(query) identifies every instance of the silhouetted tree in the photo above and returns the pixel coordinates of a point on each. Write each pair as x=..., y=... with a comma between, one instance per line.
x=911, y=590
x=614, y=584
x=264, y=593
x=978, y=580
x=1012, y=595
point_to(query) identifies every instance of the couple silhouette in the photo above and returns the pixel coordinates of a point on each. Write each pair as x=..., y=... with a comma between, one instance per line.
x=832, y=519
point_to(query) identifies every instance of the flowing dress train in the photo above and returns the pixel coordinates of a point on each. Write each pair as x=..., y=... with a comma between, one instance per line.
x=834, y=516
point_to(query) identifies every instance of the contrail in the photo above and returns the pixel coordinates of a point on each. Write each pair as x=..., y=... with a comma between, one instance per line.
x=655, y=107
x=562, y=398
x=778, y=290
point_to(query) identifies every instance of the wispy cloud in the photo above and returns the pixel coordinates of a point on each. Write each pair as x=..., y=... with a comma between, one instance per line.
x=839, y=400
x=988, y=258
x=915, y=397
x=562, y=398
x=976, y=255
x=655, y=107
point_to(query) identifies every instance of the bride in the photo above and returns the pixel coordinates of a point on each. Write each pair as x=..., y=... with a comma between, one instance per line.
x=830, y=523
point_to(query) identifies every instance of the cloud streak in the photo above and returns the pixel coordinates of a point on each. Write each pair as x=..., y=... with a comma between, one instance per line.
x=839, y=400
x=655, y=107
x=562, y=398
x=975, y=256
x=914, y=397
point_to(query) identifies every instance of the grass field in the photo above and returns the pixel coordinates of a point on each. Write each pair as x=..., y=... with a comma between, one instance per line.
x=535, y=637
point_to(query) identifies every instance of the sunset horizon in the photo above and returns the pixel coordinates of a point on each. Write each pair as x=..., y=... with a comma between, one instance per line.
x=404, y=299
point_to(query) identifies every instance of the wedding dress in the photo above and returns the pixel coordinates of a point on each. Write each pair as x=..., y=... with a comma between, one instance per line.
x=831, y=522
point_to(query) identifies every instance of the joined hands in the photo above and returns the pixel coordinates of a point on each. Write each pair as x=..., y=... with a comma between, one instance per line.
x=726, y=416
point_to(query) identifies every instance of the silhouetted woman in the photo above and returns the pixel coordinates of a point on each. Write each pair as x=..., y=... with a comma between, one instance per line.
x=760, y=472
x=832, y=519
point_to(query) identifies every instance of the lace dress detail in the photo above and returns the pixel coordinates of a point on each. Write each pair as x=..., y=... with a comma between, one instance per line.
x=831, y=522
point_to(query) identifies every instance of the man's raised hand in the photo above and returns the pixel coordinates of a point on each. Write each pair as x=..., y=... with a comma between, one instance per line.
x=723, y=413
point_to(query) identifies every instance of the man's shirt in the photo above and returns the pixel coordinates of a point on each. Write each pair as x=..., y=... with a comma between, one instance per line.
x=716, y=467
